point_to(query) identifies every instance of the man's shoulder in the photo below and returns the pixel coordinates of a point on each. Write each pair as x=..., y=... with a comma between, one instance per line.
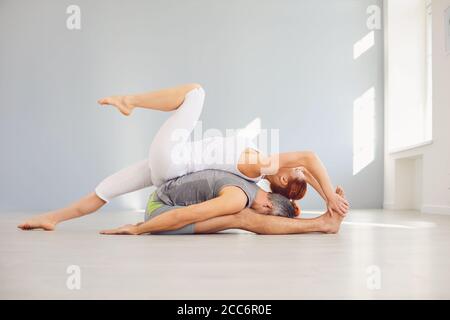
x=213, y=176
x=200, y=178
x=207, y=173
x=220, y=175
x=227, y=178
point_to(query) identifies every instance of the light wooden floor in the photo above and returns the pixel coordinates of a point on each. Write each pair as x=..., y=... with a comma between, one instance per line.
x=408, y=252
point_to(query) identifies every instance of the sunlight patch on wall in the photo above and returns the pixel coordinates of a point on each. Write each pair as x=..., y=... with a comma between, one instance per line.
x=361, y=46
x=364, y=130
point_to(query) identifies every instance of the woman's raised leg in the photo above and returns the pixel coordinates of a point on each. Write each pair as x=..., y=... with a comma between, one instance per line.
x=170, y=154
x=187, y=101
x=163, y=100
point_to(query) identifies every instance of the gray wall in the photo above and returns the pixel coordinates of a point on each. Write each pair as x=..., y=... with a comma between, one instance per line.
x=288, y=62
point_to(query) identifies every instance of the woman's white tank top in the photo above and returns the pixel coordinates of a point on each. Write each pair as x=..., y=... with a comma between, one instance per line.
x=220, y=153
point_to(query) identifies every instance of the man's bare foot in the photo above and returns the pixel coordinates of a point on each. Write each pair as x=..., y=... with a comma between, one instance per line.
x=331, y=222
x=39, y=222
x=340, y=191
x=120, y=102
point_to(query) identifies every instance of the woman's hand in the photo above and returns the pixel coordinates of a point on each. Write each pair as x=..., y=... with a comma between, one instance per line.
x=129, y=229
x=337, y=204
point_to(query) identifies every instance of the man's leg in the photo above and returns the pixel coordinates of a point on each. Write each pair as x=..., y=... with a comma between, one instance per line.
x=249, y=220
x=265, y=224
x=48, y=221
x=232, y=221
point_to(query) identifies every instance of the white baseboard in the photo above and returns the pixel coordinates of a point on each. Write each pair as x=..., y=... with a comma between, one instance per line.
x=436, y=209
x=425, y=209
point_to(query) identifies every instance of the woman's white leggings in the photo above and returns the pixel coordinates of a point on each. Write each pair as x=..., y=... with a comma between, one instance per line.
x=159, y=167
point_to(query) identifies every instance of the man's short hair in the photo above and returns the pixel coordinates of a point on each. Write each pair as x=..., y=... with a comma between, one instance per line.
x=281, y=206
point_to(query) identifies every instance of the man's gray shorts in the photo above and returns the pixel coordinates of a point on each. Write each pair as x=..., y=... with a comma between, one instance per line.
x=155, y=208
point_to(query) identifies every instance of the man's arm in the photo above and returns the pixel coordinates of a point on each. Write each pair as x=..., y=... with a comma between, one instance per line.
x=230, y=200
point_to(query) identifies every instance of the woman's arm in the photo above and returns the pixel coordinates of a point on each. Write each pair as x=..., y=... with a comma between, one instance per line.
x=231, y=200
x=314, y=183
x=314, y=165
x=306, y=159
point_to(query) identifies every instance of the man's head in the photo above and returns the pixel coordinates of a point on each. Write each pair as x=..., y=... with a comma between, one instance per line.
x=274, y=204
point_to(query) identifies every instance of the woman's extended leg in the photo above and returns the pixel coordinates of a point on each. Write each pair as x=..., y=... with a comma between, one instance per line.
x=48, y=221
x=132, y=178
x=129, y=179
x=164, y=100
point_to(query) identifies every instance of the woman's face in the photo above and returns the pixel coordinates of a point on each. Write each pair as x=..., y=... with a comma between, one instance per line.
x=285, y=175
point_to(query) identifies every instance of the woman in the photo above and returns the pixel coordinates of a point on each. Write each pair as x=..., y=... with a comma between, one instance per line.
x=172, y=155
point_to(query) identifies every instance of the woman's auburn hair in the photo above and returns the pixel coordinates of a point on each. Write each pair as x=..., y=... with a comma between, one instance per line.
x=294, y=190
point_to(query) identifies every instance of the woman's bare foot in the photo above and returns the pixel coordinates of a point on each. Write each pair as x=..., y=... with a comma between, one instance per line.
x=43, y=221
x=120, y=102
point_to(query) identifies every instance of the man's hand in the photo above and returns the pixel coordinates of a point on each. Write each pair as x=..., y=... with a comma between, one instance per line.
x=338, y=203
x=129, y=229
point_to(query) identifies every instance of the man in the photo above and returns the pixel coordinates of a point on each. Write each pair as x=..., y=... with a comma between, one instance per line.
x=212, y=200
